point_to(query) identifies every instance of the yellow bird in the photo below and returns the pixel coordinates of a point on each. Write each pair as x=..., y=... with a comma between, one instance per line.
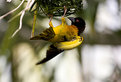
x=63, y=37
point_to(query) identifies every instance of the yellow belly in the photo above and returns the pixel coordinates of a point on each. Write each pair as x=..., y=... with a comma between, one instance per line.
x=64, y=32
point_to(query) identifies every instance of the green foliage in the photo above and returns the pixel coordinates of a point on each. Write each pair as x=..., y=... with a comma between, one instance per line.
x=56, y=7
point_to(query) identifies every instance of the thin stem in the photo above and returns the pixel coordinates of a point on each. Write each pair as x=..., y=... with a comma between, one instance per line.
x=34, y=23
x=15, y=17
x=65, y=10
x=20, y=25
x=29, y=3
x=1, y=17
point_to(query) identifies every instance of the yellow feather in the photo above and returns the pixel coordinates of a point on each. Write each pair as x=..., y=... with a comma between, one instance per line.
x=69, y=44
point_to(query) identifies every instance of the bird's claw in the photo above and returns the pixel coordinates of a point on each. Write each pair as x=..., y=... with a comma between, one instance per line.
x=65, y=10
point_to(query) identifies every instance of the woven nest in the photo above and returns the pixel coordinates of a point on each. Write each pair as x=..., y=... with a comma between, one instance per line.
x=56, y=7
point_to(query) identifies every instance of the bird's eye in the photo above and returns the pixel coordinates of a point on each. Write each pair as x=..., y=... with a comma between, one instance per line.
x=77, y=20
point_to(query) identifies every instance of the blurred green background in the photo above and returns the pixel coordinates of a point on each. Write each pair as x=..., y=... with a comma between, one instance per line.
x=98, y=59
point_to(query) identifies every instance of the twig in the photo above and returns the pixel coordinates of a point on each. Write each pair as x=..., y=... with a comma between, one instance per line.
x=29, y=3
x=34, y=23
x=22, y=13
x=1, y=17
x=20, y=25
x=15, y=17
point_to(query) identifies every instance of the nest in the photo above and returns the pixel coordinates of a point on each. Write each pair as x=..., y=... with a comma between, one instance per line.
x=56, y=7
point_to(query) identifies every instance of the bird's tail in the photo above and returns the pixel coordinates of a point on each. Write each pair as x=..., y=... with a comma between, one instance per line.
x=45, y=35
x=51, y=53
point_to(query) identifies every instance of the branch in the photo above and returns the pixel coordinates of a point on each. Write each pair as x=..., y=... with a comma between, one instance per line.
x=20, y=24
x=29, y=4
x=1, y=17
x=22, y=13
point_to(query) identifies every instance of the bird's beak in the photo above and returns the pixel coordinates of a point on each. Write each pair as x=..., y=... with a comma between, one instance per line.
x=72, y=19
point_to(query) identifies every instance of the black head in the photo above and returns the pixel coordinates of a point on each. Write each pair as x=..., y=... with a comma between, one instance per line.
x=79, y=23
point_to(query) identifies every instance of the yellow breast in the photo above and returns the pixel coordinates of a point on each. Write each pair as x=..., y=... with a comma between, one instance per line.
x=64, y=31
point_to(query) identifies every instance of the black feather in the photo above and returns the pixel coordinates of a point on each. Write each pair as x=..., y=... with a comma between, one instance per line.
x=79, y=23
x=51, y=53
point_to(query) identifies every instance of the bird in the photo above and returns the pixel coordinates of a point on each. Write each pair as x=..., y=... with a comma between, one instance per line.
x=63, y=37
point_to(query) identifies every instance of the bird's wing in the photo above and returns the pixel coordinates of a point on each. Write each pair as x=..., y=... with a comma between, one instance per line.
x=45, y=35
x=51, y=53
x=57, y=48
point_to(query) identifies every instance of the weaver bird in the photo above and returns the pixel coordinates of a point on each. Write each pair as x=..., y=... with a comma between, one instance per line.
x=62, y=37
